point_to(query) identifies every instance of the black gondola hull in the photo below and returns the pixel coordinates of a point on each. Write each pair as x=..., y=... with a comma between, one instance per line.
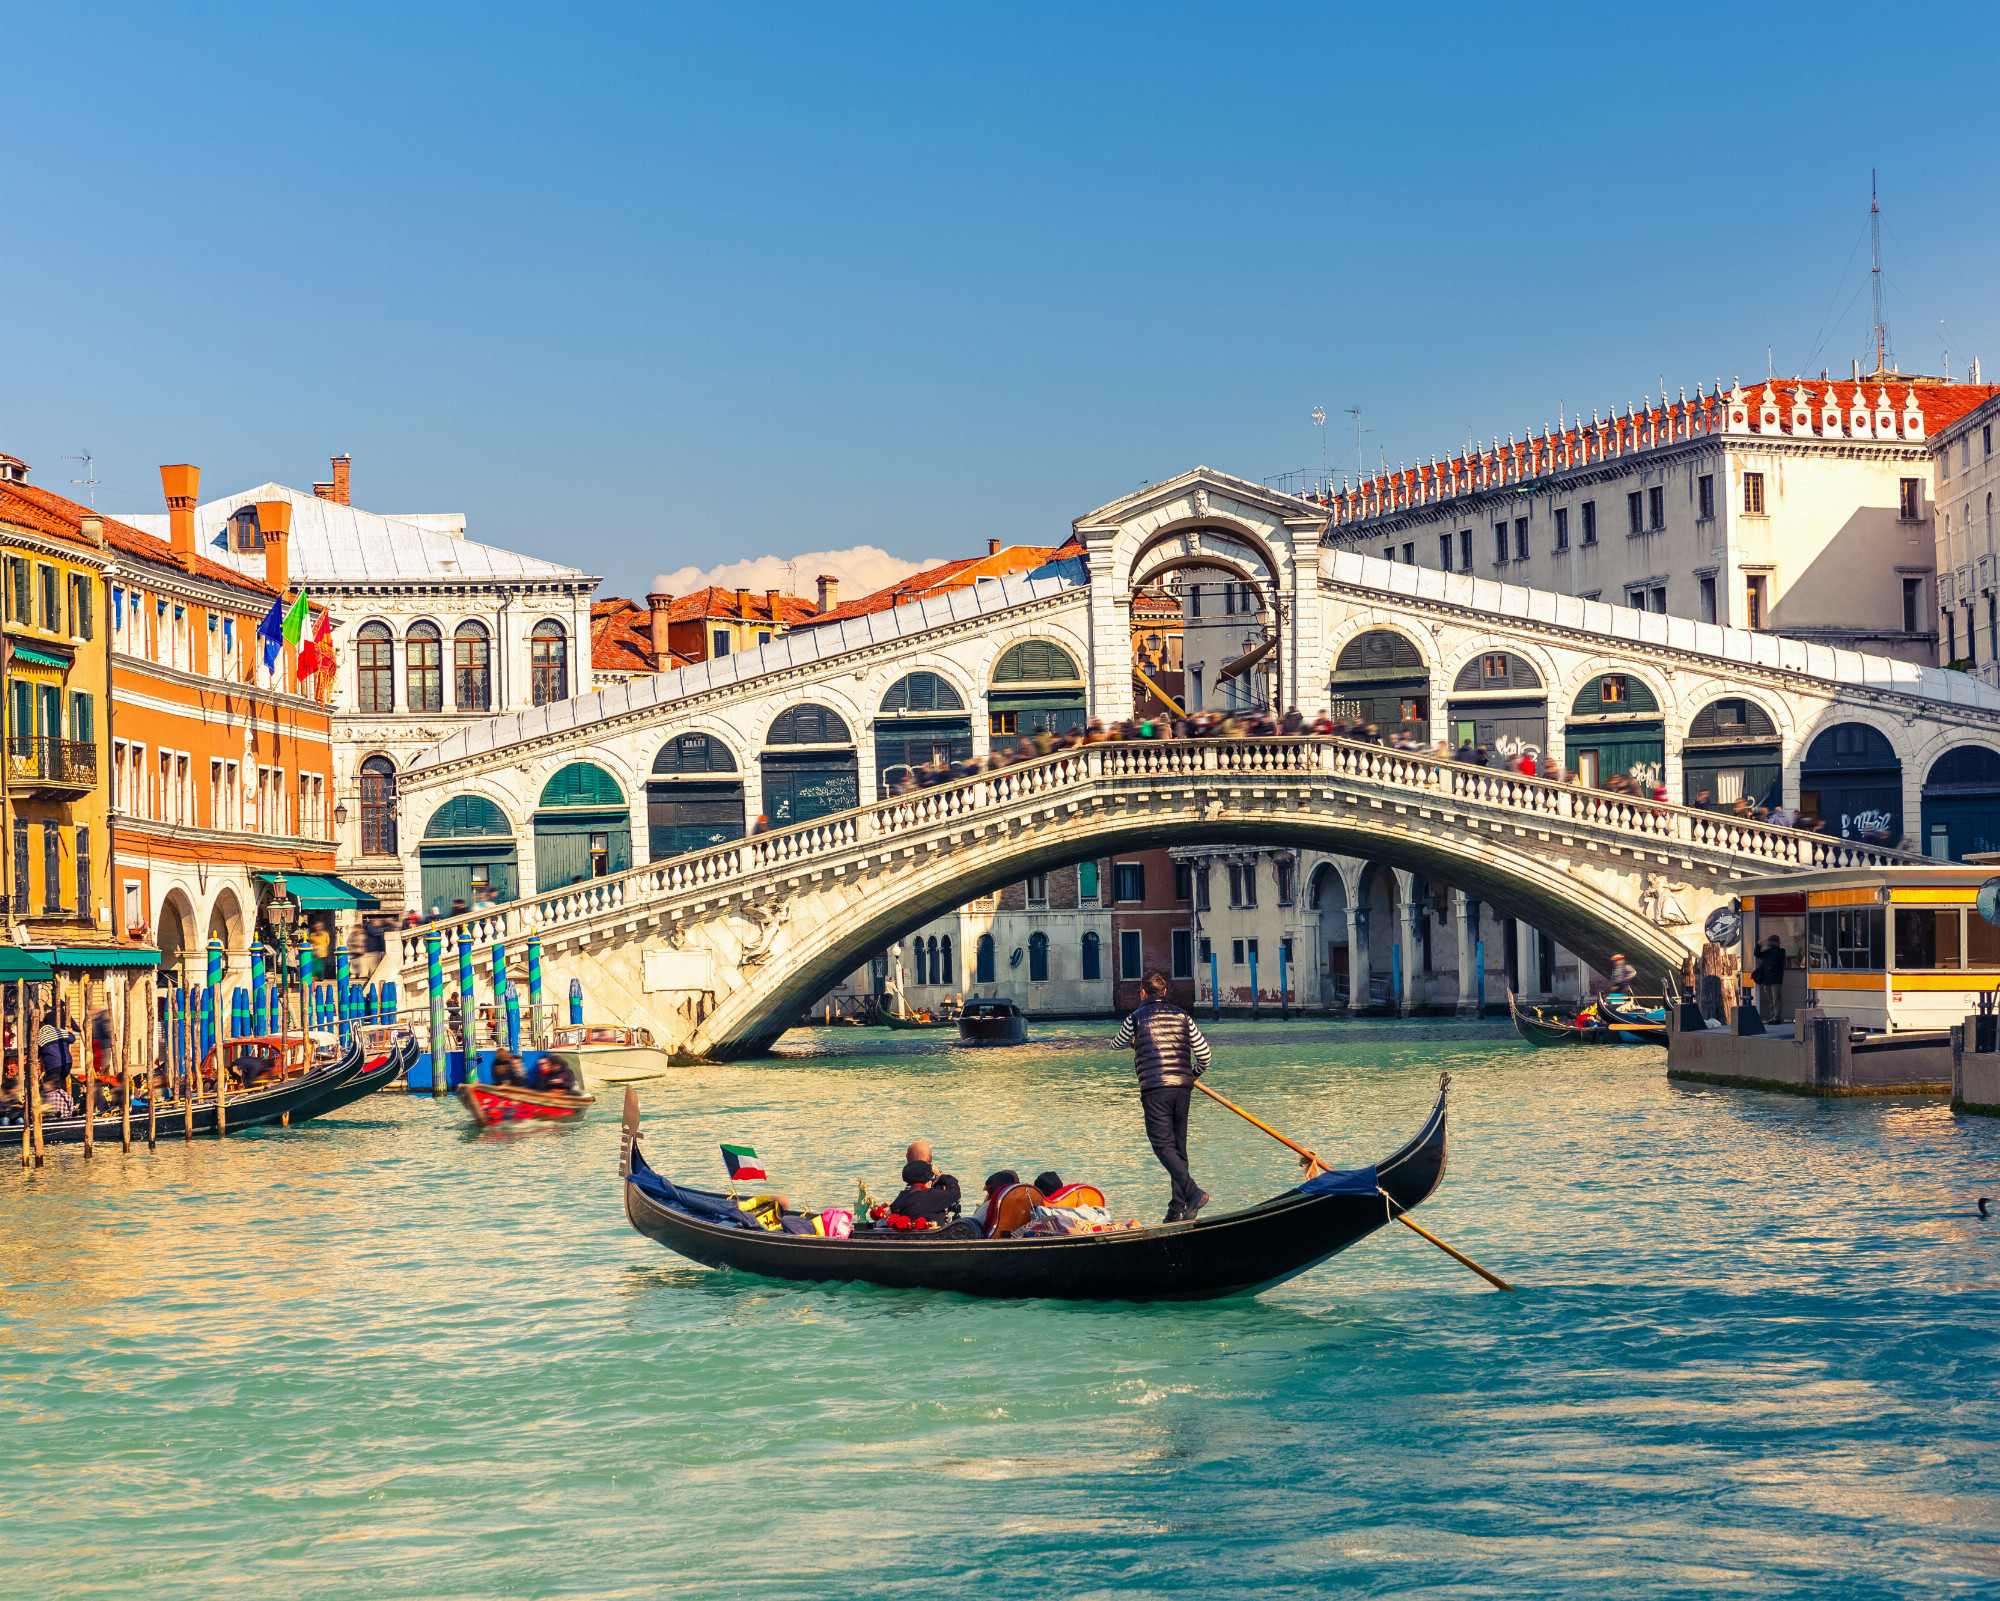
x=292, y=1099
x=1237, y=1253
x=364, y=1083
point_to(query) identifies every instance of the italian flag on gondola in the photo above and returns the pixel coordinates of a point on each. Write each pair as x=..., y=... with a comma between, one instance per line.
x=742, y=1163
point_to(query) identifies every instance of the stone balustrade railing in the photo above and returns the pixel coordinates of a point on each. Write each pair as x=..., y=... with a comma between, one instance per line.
x=994, y=795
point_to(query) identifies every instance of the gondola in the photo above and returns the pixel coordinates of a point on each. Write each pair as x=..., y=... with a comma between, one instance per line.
x=286, y=1100
x=379, y=1070
x=1538, y=1028
x=509, y=1103
x=1234, y=1253
x=1631, y=1011
x=889, y=1019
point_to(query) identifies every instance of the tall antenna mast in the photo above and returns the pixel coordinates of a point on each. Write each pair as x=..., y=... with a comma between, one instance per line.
x=90, y=484
x=1875, y=249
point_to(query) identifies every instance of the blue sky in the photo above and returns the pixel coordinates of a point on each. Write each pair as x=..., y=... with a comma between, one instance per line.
x=649, y=287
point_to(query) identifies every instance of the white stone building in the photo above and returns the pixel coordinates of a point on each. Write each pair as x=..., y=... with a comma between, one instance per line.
x=1967, y=474
x=1797, y=506
x=432, y=631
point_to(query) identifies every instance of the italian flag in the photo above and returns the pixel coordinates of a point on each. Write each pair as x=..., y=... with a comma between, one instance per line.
x=742, y=1163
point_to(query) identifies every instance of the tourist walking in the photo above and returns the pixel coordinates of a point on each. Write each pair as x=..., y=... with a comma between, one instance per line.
x=1169, y=1054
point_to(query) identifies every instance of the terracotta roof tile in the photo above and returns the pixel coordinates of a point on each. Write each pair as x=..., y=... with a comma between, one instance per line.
x=1003, y=563
x=621, y=639
x=32, y=507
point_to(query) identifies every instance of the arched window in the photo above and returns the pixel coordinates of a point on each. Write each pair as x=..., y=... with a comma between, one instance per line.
x=982, y=970
x=548, y=662
x=583, y=784
x=423, y=667
x=378, y=807
x=922, y=692
x=1038, y=957
x=1091, y=959
x=943, y=968
x=694, y=753
x=375, y=668
x=469, y=817
x=927, y=960
x=472, y=672
x=809, y=725
x=1035, y=661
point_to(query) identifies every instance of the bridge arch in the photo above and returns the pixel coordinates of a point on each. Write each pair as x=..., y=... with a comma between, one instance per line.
x=1385, y=676
x=1961, y=802
x=1035, y=683
x=1142, y=554
x=1852, y=775
x=694, y=794
x=1614, y=722
x=1577, y=911
x=1734, y=747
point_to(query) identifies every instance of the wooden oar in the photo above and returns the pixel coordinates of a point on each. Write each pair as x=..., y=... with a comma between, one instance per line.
x=1314, y=1165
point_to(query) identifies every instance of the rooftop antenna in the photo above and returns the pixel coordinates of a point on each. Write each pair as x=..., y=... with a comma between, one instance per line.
x=1355, y=413
x=90, y=484
x=1875, y=250
x=1319, y=422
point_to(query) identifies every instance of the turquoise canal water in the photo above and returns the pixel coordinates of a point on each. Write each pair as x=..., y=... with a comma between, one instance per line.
x=1754, y=1350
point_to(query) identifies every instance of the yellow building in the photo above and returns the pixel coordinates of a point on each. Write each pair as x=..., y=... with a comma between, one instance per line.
x=55, y=708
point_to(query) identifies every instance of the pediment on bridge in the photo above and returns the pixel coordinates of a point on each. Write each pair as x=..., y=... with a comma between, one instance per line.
x=1200, y=509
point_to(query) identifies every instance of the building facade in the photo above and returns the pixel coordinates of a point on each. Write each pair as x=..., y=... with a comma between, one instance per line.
x=431, y=631
x=1800, y=507
x=1967, y=475
x=57, y=715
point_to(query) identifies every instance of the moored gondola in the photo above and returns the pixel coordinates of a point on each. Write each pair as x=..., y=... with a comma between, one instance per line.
x=379, y=1070
x=284, y=1100
x=1538, y=1028
x=1233, y=1253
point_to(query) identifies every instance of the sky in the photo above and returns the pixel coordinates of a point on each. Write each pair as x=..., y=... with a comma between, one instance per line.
x=663, y=290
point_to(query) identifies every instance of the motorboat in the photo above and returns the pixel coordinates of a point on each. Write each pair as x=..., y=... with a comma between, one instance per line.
x=609, y=1053
x=492, y=1104
x=994, y=1022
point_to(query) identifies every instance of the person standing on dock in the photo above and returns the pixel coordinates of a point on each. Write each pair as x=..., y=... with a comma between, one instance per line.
x=1169, y=1054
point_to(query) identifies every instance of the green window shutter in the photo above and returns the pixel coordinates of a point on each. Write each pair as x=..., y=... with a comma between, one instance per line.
x=582, y=784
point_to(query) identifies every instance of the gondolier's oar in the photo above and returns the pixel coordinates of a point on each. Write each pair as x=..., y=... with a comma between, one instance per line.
x=1314, y=1165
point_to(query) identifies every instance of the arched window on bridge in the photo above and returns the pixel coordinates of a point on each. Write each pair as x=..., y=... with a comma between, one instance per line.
x=1497, y=701
x=810, y=766
x=1615, y=731
x=1036, y=685
x=1962, y=803
x=1381, y=678
x=694, y=798
x=1092, y=960
x=922, y=719
x=1038, y=957
x=982, y=972
x=583, y=828
x=467, y=854
x=1852, y=778
x=1732, y=753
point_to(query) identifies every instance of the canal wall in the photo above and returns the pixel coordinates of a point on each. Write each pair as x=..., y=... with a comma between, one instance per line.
x=1816, y=1056
x=1975, y=1073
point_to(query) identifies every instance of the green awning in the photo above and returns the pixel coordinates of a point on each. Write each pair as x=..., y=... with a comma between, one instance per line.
x=324, y=892
x=36, y=658
x=17, y=966
x=73, y=957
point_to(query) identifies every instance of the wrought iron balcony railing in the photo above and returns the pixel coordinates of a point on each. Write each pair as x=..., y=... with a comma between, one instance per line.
x=36, y=759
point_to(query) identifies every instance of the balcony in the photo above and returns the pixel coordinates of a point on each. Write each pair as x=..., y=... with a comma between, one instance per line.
x=58, y=768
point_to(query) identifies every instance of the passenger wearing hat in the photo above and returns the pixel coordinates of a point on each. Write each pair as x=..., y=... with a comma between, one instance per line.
x=926, y=1194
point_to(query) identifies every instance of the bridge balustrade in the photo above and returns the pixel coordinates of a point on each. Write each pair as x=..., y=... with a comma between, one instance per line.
x=1437, y=780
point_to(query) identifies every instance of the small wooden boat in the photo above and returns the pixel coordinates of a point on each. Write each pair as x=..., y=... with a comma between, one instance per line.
x=609, y=1053
x=1539, y=1028
x=1633, y=1011
x=508, y=1103
x=889, y=1019
x=1235, y=1253
x=997, y=1022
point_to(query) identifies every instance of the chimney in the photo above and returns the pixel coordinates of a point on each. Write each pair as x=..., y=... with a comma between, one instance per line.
x=771, y=600
x=340, y=465
x=992, y=547
x=743, y=603
x=93, y=530
x=274, y=522
x=658, y=605
x=183, y=487
x=829, y=592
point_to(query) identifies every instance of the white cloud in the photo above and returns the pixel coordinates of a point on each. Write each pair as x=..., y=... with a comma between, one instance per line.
x=861, y=571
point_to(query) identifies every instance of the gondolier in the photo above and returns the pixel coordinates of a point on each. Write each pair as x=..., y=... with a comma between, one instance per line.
x=1169, y=1054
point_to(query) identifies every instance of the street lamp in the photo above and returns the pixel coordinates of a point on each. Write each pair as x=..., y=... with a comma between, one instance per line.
x=340, y=814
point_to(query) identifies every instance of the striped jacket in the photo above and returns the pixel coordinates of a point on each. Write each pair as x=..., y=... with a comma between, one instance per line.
x=1169, y=1049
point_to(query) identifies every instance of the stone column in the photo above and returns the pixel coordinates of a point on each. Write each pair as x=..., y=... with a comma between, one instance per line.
x=1357, y=956
x=1530, y=976
x=1407, y=936
x=1467, y=915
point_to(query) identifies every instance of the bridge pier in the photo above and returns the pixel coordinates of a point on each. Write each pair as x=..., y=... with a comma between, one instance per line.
x=1467, y=916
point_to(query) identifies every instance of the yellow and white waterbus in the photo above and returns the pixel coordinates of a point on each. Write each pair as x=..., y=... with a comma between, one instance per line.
x=1893, y=949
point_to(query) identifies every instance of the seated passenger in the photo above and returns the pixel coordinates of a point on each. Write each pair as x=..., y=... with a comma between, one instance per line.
x=996, y=1186
x=553, y=1076
x=926, y=1194
x=1048, y=1181
x=507, y=1069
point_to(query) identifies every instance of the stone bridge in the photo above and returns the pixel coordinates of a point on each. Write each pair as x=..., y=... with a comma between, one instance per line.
x=719, y=951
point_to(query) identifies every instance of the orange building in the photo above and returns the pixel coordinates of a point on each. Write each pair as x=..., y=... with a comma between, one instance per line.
x=221, y=772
